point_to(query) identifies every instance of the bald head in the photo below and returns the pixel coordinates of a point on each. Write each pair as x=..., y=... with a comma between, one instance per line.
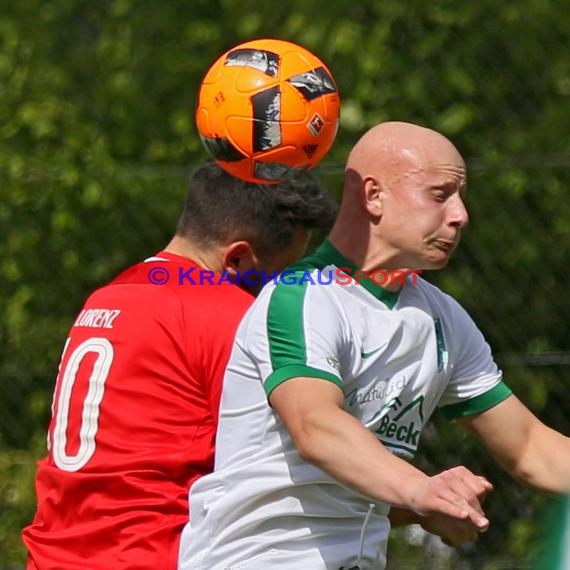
x=390, y=149
x=402, y=205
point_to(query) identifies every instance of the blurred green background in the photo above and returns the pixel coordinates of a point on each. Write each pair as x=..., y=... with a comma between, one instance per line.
x=97, y=141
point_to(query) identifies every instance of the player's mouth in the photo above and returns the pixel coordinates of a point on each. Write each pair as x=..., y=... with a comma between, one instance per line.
x=445, y=245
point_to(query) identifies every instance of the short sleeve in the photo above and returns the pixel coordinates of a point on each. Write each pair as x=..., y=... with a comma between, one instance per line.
x=476, y=383
x=300, y=336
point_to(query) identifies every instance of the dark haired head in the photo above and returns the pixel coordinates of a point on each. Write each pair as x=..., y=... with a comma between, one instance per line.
x=222, y=209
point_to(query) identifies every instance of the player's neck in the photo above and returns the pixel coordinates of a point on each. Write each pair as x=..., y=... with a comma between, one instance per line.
x=201, y=255
x=367, y=254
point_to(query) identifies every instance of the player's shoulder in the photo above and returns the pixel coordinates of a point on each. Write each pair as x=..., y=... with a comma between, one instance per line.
x=294, y=283
x=160, y=282
x=436, y=296
x=295, y=297
x=429, y=289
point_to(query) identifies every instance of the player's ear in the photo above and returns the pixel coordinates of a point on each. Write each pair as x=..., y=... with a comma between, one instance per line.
x=238, y=257
x=373, y=194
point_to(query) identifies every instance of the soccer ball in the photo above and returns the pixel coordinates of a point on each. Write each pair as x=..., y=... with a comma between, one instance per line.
x=267, y=109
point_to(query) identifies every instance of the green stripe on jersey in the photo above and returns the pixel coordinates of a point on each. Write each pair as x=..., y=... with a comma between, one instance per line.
x=478, y=404
x=326, y=254
x=297, y=371
x=285, y=331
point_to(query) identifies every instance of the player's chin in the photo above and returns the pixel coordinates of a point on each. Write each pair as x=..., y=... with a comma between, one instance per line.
x=438, y=261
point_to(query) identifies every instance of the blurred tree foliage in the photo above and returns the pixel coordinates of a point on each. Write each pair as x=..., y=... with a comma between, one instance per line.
x=97, y=140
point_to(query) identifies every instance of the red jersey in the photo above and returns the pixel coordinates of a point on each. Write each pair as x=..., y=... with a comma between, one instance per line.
x=133, y=418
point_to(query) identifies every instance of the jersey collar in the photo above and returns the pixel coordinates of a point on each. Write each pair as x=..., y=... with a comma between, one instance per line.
x=327, y=254
x=167, y=256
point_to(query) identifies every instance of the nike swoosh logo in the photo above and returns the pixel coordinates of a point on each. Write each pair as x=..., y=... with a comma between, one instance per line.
x=366, y=355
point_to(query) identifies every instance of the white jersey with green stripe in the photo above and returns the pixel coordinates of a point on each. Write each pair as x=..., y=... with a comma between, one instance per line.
x=396, y=356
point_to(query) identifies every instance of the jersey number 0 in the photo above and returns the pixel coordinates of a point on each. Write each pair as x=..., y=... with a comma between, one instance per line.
x=90, y=408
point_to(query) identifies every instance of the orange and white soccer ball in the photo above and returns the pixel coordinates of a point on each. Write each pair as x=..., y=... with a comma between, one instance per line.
x=267, y=109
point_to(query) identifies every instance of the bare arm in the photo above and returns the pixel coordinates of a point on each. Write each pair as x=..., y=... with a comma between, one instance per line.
x=530, y=451
x=340, y=445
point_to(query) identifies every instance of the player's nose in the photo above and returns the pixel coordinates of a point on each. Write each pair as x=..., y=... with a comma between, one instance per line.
x=458, y=217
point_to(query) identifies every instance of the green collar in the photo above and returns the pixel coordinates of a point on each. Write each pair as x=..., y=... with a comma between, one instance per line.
x=327, y=254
